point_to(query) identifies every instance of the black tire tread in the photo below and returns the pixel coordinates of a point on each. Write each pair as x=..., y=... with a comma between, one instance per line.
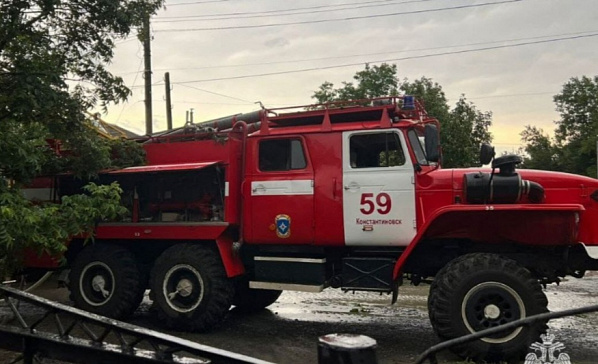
x=249, y=300
x=432, y=296
x=128, y=286
x=448, y=280
x=216, y=304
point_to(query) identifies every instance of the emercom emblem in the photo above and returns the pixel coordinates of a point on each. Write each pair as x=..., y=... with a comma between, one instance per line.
x=548, y=351
x=283, y=226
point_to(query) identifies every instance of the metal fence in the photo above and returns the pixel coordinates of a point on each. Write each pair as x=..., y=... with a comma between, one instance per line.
x=55, y=331
x=60, y=332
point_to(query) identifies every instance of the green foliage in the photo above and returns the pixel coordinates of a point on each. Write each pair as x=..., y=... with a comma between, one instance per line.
x=126, y=153
x=432, y=96
x=539, y=151
x=464, y=134
x=53, y=57
x=23, y=150
x=376, y=81
x=462, y=129
x=573, y=149
x=46, y=228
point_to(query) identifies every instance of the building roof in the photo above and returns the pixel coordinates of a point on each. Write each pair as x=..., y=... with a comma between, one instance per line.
x=109, y=130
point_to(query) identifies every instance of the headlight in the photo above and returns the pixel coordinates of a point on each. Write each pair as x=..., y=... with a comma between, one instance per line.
x=594, y=196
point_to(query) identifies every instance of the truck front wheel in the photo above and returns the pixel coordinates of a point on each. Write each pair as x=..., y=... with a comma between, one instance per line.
x=105, y=280
x=252, y=300
x=480, y=291
x=190, y=288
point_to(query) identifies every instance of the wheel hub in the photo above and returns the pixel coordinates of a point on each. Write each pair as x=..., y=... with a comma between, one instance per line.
x=491, y=304
x=492, y=312
x=185, y=287
x=98, y=283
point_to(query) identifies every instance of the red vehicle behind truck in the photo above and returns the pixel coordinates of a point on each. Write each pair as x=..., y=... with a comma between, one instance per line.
x=352, y=196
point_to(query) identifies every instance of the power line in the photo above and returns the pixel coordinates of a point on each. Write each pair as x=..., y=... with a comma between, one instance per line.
x=391, y=60
x=196, y=102
x=338, y=19
x=296, y=11
x=128, y=39
x=368, y=54
x=134, y=81
x=279, y=10
x=214, y=93
x=512, y=95
x=275, y=11
x=199, y=2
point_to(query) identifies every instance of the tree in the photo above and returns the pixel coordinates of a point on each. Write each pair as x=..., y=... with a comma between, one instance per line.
x=539, y=151
x=53, y=57
x=463, y=135
x=376, y=81
x=577, y=130
x=573, y=149
x=432, y=96
x=463, y=129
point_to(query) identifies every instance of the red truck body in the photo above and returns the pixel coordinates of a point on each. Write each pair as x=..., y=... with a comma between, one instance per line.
x=347, y=196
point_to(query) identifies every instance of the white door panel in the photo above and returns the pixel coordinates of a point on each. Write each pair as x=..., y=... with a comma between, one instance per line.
x=378, y=202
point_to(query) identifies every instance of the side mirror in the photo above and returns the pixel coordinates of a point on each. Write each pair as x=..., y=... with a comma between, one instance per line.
x=432, y=143
x=486, y=153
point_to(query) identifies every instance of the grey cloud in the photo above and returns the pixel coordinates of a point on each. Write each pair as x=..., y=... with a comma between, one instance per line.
x=277, y=42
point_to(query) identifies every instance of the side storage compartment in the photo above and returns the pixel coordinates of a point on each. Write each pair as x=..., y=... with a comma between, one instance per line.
x=289, y=273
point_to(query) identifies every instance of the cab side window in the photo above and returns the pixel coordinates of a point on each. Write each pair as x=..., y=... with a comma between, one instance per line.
x=281, y=155
x=376, y=150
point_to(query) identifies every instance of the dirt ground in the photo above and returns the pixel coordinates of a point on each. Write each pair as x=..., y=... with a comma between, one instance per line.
x=287, y=332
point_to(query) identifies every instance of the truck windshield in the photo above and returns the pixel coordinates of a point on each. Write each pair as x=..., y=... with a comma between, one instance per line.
x=416, y=139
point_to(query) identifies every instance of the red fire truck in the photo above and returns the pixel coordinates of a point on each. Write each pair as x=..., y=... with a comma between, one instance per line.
x=352, y=196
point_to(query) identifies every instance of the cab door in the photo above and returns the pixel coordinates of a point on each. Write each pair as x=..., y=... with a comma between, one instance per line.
x=280, y=192
x=379, y=190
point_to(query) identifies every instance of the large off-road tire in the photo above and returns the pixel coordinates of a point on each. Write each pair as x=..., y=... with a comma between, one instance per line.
x=252, y=300
x=479, y=291
x=190, y=289
x=105, y=280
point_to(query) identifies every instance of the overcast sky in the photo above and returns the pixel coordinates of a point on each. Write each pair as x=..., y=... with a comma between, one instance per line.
x=508, y=57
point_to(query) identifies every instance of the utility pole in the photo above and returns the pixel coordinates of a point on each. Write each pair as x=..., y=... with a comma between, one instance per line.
x=147, y=57
x=168, y=103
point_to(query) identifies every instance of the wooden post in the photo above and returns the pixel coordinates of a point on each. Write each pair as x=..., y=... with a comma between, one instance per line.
x=147, y=57
x=168, y=101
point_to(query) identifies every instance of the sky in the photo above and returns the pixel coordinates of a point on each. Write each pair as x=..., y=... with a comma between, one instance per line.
x=509, y=57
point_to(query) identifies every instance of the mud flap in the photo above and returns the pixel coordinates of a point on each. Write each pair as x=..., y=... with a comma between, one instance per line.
x=395, y=291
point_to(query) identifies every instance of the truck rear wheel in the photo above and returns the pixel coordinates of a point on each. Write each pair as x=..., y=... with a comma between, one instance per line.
x=105, y=280
x=479, y=291
x=252, y=300
x=190, y=288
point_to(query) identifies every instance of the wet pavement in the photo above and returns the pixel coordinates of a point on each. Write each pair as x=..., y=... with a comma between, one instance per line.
x=287, y=331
